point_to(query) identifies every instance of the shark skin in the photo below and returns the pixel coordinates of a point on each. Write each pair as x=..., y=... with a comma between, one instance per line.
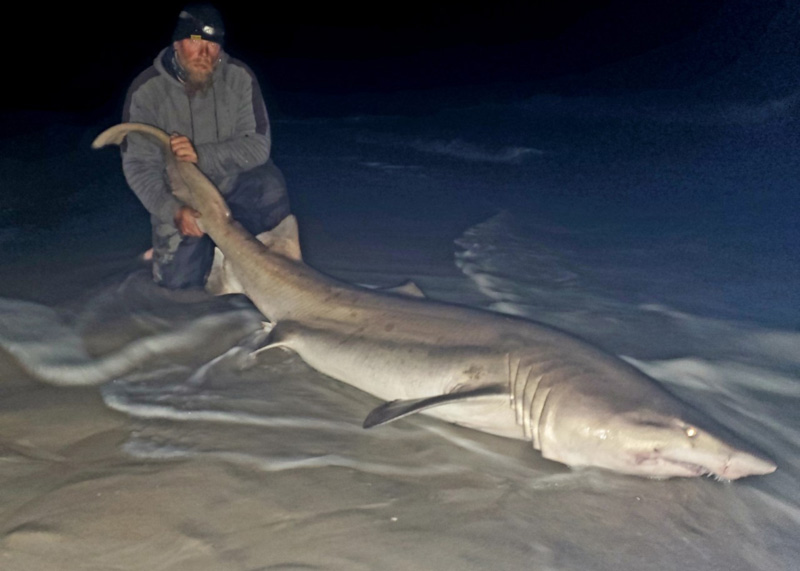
x=499, y=374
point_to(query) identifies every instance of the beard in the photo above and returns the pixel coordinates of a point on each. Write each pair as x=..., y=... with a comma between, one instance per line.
x=199, y=79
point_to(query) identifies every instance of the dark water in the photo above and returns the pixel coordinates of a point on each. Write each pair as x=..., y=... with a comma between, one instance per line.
x=708, y=191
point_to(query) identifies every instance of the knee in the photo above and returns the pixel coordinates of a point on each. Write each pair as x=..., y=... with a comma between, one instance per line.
x=183, y=262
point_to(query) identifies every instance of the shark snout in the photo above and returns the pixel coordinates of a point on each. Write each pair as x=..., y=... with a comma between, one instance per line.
x=741, y=464
x=725, y=464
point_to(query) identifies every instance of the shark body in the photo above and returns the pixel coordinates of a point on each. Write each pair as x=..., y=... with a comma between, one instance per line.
x=495, y=373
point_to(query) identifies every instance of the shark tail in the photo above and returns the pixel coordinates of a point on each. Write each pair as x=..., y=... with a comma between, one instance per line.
x=116, y=134
x=189, y=184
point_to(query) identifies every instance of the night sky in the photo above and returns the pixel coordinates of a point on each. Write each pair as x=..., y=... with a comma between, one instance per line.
x=82, y=59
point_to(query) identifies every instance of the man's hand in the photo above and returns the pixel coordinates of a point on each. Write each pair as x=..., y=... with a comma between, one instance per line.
x=186, y=221
x=182, y=148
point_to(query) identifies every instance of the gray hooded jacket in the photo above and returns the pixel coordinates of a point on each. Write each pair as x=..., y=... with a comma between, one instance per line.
x=227, y=124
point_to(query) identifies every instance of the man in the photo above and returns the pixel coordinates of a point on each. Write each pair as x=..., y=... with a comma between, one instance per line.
x=212, y=104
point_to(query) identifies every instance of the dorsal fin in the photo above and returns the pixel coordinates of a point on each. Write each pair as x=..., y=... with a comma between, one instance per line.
x=284, y=239
x=396, y=409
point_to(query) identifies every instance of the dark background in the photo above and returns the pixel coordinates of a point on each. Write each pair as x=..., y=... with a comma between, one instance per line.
x=687, y=109
x=418, y=54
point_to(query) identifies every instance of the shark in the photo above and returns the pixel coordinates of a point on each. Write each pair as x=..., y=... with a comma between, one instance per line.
x=504, y=375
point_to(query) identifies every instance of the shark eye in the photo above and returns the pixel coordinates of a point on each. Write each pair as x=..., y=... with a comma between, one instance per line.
x=690, y=431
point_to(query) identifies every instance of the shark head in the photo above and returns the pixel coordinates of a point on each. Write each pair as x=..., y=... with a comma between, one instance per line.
x=647, y=443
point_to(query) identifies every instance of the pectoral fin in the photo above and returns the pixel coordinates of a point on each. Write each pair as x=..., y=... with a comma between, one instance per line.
x=393, y=410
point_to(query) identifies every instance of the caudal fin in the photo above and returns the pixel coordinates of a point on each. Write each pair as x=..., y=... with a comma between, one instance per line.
x=188, y=183
x=116, y=134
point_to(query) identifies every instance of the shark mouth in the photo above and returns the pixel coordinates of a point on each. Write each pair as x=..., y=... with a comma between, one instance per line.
x=665, y=467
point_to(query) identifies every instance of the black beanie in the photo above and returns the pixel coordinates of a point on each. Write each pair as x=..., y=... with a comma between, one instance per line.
x=200, y=21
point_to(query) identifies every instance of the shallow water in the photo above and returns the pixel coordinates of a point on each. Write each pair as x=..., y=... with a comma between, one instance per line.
x=322, y=492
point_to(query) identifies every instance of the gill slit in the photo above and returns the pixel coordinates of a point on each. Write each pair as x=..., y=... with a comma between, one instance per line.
x=536, y=438
x=528, y=394
x=513, y=382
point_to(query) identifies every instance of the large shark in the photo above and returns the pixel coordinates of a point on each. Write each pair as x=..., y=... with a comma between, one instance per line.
x=491, y=372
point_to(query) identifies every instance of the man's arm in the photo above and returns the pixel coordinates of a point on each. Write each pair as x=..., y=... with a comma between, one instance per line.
x=251, y=144
x=144, y=166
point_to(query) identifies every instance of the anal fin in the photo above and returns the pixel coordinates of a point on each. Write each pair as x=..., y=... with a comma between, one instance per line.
x=408, y=289
x=272, y=337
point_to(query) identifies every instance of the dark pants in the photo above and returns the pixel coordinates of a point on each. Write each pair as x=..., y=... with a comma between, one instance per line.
x=258, y=202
